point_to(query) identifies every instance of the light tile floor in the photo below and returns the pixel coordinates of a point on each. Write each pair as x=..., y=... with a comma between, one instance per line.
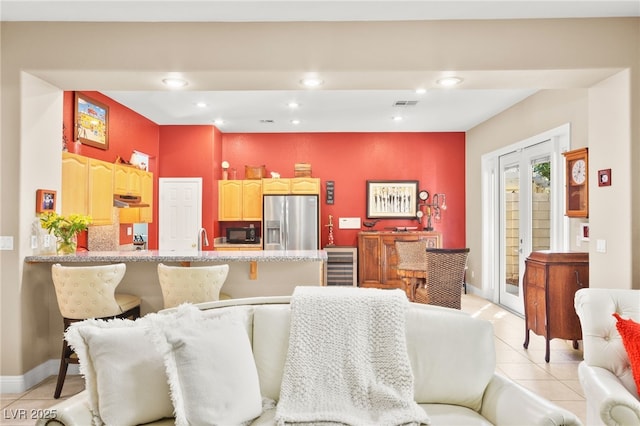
x=556, y=380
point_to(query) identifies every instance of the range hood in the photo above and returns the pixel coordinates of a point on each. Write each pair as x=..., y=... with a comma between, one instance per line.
x=124, y=201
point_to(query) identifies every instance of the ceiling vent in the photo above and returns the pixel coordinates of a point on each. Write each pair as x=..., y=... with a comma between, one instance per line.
x=267, y=121
x=404, y=103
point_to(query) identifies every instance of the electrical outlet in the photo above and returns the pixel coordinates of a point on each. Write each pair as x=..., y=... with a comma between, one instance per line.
x=34, y=242
x=129, y=231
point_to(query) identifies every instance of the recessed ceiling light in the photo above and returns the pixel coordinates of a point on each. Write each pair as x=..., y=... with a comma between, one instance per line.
x=218, y=122
x=421, y=91
x=174, y=82
x=295, y=121
x=201, y=104
x=449, y=81
x=397, y=118
x=293, y=105
x=311, y=82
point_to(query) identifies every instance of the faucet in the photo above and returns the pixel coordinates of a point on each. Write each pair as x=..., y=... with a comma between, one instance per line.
x=202, y=233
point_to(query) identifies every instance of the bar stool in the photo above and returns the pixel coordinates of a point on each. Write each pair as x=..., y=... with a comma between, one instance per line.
x=412, y=265
x=85, y=292
x=193, y=284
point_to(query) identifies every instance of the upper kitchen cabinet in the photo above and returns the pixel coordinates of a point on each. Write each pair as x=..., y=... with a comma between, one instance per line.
x=146, y=187
x=305, y=185
x=276, y=186
x=100, y=192
x=300, y=185
x=127, y=180
x=240, y=200
x=252, y=200
x=87, y=188
x=74, y=195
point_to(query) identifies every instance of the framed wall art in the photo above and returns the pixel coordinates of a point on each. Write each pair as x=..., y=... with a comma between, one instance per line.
x=92, y=122
x=392, y=199
x=45, y=200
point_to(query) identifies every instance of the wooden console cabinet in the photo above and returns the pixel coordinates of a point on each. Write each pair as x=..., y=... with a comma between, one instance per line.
x=377, y=257
x=549, y=285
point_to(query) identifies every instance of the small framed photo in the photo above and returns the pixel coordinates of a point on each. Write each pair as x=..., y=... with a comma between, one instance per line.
x=91, y=121
x=45, y=200
x=604, y=177
x=392, y=199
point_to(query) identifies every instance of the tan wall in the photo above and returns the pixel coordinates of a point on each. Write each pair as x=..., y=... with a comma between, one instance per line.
x=249, y=56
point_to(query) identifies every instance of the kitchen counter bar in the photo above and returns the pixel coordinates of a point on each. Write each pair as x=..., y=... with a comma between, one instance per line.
x=186, y=256
x=252, y=273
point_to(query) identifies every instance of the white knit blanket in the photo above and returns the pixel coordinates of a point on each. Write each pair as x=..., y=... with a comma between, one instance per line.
x=347, y=360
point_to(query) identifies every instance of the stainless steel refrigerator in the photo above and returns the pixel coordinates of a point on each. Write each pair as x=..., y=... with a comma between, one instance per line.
x=290, y=222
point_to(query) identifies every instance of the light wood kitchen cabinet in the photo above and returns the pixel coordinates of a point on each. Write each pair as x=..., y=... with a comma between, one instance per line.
x=74, y=195
x=251, y=200
x=87, y=188
x=378, y=260
x=276, y=186
x=291, y=186
x=127, y=180
x=305, y=186
x=239, y=200
x=549, y=285
x=146, y=192
x=100, y=192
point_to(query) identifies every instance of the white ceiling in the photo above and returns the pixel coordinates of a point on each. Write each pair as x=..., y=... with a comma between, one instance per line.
x=331, y=108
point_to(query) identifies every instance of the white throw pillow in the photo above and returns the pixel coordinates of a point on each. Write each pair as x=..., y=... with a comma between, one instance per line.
x=124, y=374
x=211, y=369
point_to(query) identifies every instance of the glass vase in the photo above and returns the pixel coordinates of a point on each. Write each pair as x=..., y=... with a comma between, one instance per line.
x=67, y=245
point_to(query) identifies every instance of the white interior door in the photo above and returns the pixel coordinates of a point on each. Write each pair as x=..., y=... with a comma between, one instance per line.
x=179, y=213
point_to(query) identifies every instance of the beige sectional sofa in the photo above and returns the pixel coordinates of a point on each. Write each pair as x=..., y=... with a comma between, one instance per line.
x=451, y=354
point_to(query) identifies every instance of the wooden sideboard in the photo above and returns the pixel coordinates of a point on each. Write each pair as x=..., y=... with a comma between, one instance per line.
x=550, y=283
x=377, y=257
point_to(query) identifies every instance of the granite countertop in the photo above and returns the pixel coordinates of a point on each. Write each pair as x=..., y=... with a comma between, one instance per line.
x=221, y=242
x=185, y=256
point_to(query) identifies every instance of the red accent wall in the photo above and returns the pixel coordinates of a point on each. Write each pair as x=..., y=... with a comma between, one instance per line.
x=436, y=160
x=194, y=151
x=128, y=131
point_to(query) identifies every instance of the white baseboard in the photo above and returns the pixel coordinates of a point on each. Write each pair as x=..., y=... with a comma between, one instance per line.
x=18, y=384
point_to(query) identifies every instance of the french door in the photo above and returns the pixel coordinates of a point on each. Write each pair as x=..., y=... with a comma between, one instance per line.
x=525, y=215
x=523, y=210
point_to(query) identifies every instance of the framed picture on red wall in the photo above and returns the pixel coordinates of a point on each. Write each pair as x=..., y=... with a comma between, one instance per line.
x=392, y=199
x=91, y=120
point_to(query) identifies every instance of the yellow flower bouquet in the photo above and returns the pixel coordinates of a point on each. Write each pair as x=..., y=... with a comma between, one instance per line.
x=65, y=229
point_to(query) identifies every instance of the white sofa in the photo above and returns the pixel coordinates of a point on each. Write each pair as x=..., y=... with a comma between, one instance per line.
x=605, y=374
x=452, y=357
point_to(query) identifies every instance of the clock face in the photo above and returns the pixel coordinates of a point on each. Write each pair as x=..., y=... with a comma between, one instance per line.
x=423, y=195
x=579, y=172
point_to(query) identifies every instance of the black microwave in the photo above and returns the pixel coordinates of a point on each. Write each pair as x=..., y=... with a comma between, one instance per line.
x=241, y=235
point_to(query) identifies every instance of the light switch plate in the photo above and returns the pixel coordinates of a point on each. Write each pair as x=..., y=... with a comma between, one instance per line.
x=349, y=223
x=601, y=246
x=6, y=243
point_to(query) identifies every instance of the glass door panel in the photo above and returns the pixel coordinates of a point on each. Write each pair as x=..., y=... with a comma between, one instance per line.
x=525, y=223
